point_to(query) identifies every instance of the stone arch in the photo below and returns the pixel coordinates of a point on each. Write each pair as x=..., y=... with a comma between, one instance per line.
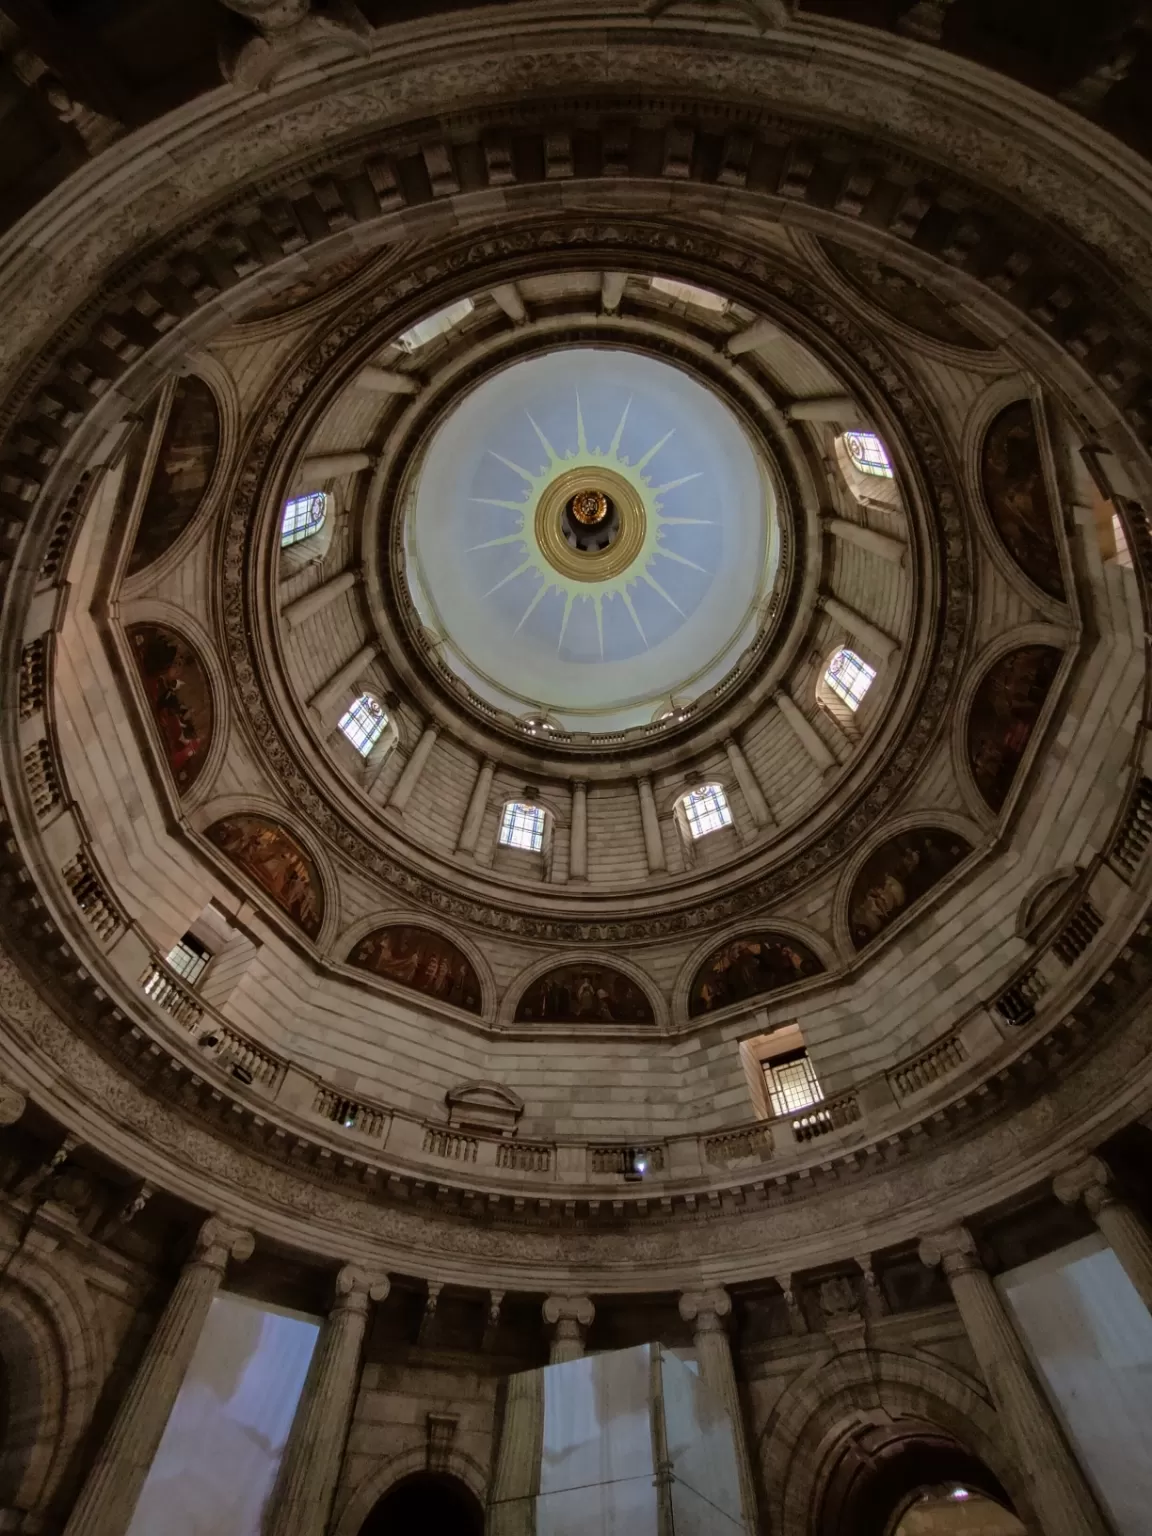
x=343, y=946
x=210, y=816
x=197, y=666
x=816, y=945
x=820, y=1409
x=53, y=1355
x=363, y=1498
x=586, y=961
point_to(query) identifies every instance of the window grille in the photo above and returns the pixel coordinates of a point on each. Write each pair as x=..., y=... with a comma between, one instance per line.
x=189, y=959
x=792, y=1083
x=303, y=516
x=868, y=453
x=707, y=810
x=849, y=677
x=522, y=827
x=363, y=723
x=435, y=325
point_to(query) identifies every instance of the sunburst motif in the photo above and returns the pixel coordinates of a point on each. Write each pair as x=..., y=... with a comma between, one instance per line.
x=644, y=567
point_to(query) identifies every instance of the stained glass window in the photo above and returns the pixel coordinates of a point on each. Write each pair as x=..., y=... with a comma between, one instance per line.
x=707, y=810
x=522, y=827
x=849, y=677
x=792, y=1083
x=868, y=453
x=363, y=723
x=303, y=516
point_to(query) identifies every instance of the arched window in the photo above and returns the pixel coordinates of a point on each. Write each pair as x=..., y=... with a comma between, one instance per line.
x=706, y=810
x=849, y=677
x=868, y=453
x=303, y=516
x=363, y=723
x=522, y=826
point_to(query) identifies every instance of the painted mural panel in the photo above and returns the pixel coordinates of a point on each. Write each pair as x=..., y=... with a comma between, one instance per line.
x=584, y=994
x=1016, y=495
x=903, y=296
x=189, y=448
x=423, y=960
x=897, y=875
x=272, y=857
x=180, y=697
x=1004, y=715
x=749, y=967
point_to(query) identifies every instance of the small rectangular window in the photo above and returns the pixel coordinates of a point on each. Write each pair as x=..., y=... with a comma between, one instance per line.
x=707, y=810
x=189, y=958
x=792, y=1083
x=522, y=827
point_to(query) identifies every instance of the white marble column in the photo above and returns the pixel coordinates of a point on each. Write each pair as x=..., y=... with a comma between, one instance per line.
x=893, y=550
x=578, y=852
x=316, y=601
x=1063, y=1503
x=749, y=785
x=707, y=1311
x=337, y=685
x=569, y=1317
x=413, y=768
x=804, y=731
x=1123, y=1228
x=330, y=466
x=477, y=805
x=650, y=822
x=112, y=1487
x=857, y=624
x=302, y=1499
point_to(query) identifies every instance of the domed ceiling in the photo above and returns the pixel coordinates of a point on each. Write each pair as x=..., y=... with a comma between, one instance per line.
x=590, y=533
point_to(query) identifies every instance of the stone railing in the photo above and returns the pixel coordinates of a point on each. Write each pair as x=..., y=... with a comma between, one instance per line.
x=92, y=897
x=732, y=1146
x=940, y=1059
x=1017, y=1003
x=630, y=1161
x=524, y=1156
x=350, y=1114
x=1135, y=834
x=451, y=1145
x=172, y=997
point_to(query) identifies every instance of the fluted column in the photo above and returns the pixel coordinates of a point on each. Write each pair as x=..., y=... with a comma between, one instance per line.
x=323, y=700
x=650, y=822
x=1124, y=1229
x=749, y=785
x=578, y=853
x=890, y=549
x=316, y=601
x=113, y=1486
x=1056, y=1487
x=330, y=466
x=804, y=731
x=302, y=1500
x=569, y=1317
x=838, y=408
x=862, y=628
x=707, y=1311
x=413, y=768
x=516, y=1480
x=477, y=805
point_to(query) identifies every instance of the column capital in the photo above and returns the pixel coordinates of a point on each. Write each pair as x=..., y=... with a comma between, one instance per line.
x=12, y=1104
x=707, y=1309
x=954, y=1248
x=1089, y=1180
x=356, y=1287
x=218, y=1241
x=558, y=1310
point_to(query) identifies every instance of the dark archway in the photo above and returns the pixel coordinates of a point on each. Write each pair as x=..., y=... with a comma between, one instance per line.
x=880, y=1469
x=424, y=1503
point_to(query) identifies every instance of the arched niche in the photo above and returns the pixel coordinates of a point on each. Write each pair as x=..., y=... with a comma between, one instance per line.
x=1005, y=708
x=176, y=685
x=273, y=859
x=421, y=960
x=750, y=965
x=897, y=874
x=181, y=453
x=1016, y=496
x=427, y=1501
x=584, y=992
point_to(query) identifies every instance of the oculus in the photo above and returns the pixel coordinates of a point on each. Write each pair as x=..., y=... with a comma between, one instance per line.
x=579, y=994
x=422, y=961
x=1016, y=495
x=589, y=507
x=897, y=875
x=189, y=447
x=749, y=967
x=1003, y=715
x=271, y=857
x=179, y=697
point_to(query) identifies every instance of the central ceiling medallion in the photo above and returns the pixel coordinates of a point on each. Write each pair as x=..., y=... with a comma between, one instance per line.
x=590, y=523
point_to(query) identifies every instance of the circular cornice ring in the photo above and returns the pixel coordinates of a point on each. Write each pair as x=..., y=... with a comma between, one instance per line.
x=610, y=487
